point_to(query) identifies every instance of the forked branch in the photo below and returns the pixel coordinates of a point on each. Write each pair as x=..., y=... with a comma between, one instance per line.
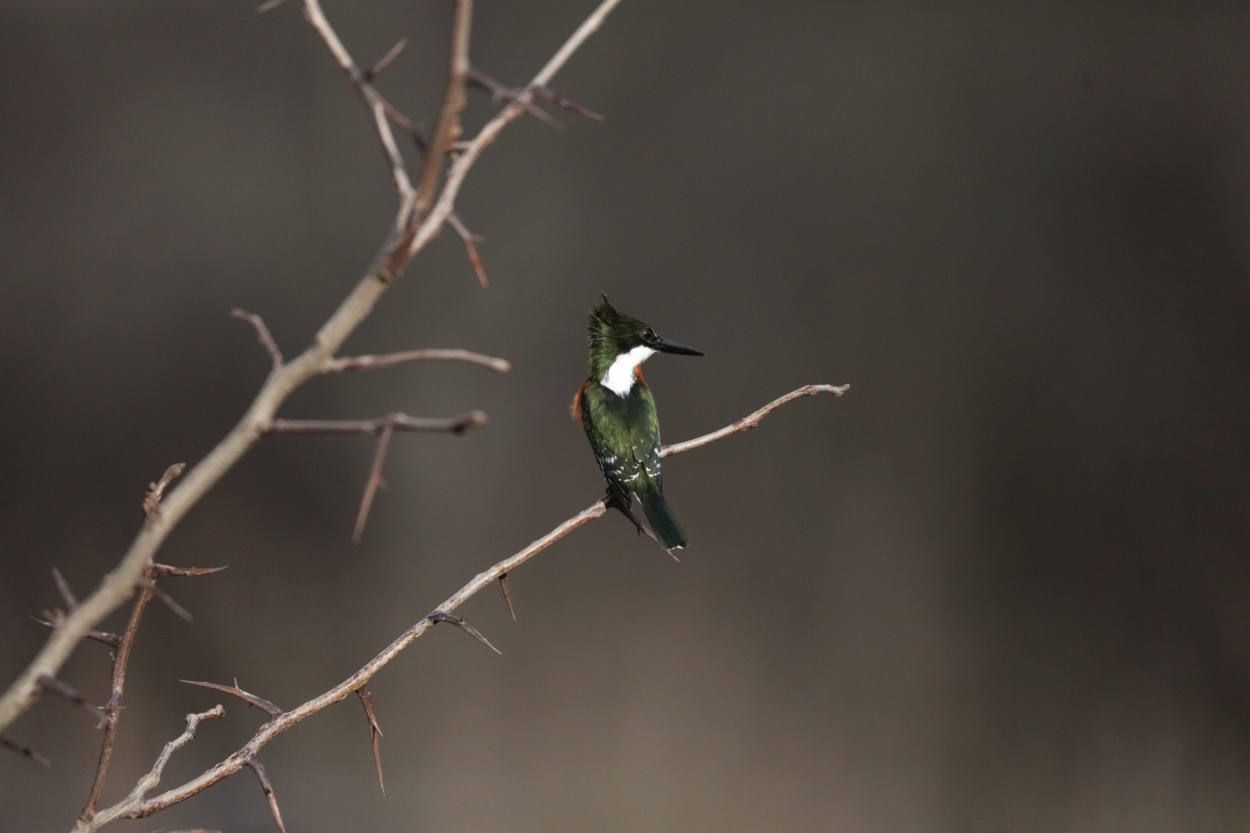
x=410, y=235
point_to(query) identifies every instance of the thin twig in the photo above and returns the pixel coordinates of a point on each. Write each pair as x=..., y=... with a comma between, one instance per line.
x=499, y=92
x=23, y=750
x=382, y=63
x=113, y=709
x=751, y=420
x=381, y=126
x=152, y=500
x=70, y=694
x=262, y=333
x=374, y=483
x=261, y=703
x=566, y=103
x=372, y=427
x=67, y=593
x=470, y=152
x=447, y=131
x=470, y=247
x=153, y=777
x=376, y=362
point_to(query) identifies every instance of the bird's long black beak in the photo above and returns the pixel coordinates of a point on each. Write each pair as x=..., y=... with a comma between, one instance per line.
x=666, y=346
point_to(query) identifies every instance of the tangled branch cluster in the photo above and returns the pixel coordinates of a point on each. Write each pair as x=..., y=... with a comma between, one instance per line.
x=423, y=209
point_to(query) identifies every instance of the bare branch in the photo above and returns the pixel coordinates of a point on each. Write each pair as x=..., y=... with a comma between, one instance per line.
x=113, y=709
x=375, y=732
x=23, y=750
x=470, y=247
x=406, y=240
x=67, y=594
x=470, y=152
x=51, y=620
x=372, y=427
x=447, y=131
x=282, y=721
x=152, y=500
x=566, y=103
x=261, y=703
x=382, y=63
x=270, y=797
x=262, y=333
x=399, y=173
x=499, y=92
x=751, y=420
x=169, y=602
x=374, y=483
x=70, y=694
x=390, y=359
x=149, y=781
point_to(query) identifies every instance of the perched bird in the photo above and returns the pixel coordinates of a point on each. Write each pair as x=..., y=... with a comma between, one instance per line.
x=616, y=408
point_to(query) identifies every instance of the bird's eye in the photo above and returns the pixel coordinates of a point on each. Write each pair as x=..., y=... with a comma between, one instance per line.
x=649, y=336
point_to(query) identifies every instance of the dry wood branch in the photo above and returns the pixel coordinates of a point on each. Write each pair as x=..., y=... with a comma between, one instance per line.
x=566, y=103
x=262, y=333
x=470, y=247
x=113, y=709
x=447, y=131
x=470, y=152
x=62, y=586
x=376, y=362
x=261, y=703
x=406, y=240
x=382, y=63
x=373, y=427
x=374, y=483
x=52, y=618
x=751, y=420
x=285, y=720
x=70, y=694
x=152, y=499
x=499, y=92
x=153, y=777
x=23, y=750
x=381, y=126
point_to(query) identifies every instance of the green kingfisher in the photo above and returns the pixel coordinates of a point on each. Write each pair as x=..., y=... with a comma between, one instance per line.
x=616, y=408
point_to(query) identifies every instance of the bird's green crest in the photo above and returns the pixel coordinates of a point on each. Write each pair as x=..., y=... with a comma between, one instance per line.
x=611, y=333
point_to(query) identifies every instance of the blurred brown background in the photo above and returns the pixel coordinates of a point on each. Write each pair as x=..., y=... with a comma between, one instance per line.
x=1001, y=585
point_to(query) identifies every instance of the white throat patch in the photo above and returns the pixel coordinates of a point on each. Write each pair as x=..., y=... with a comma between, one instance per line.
x=620, y=376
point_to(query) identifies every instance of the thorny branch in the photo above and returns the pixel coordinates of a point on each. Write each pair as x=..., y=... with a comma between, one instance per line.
x=409, y=236
x=139, y=807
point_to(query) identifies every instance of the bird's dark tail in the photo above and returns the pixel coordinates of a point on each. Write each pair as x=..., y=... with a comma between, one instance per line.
x=659, y=516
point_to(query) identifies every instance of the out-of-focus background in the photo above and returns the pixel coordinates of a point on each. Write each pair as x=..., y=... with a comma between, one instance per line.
x=1001, y=585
